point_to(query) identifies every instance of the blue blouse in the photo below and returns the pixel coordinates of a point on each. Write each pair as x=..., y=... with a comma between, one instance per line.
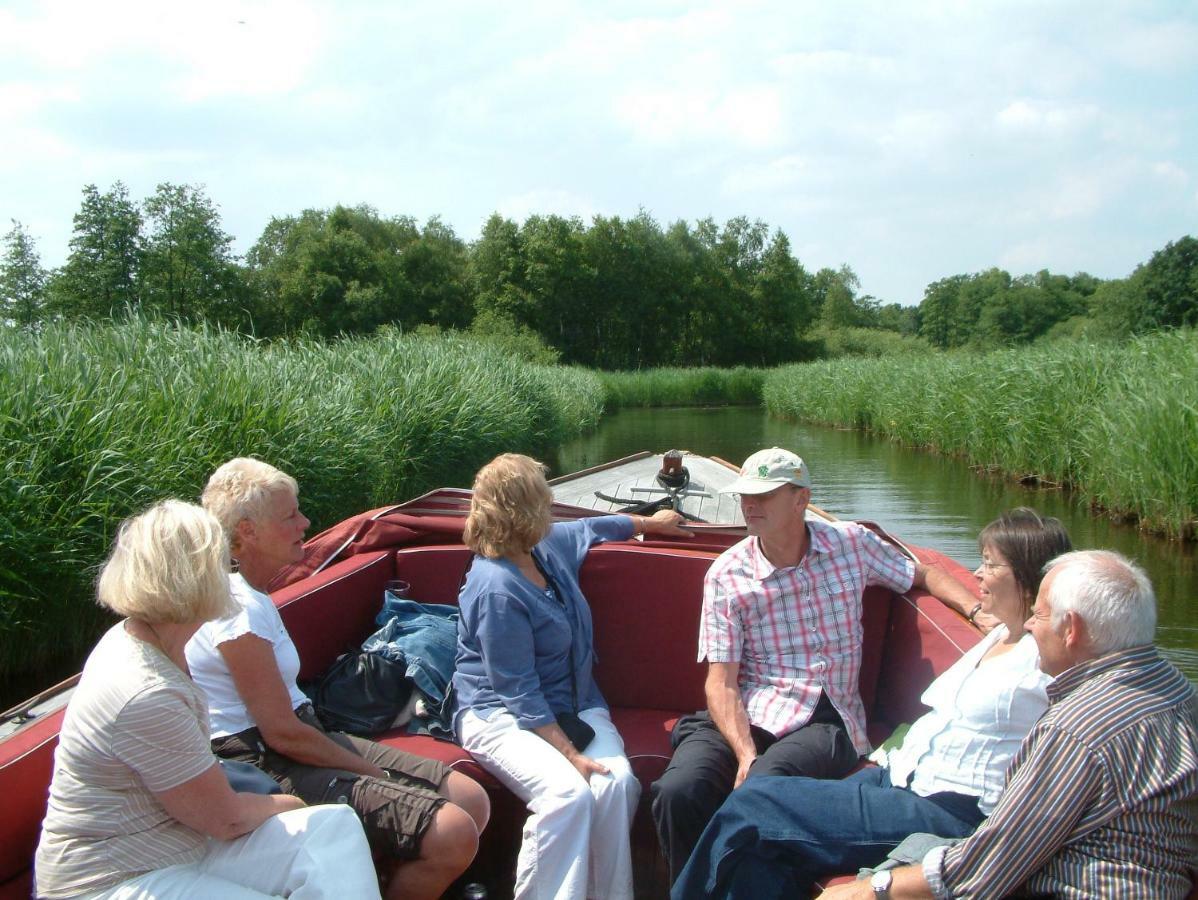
x=514, y=637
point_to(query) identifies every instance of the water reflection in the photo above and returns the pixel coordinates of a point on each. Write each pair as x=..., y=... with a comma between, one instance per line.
x=923, y=498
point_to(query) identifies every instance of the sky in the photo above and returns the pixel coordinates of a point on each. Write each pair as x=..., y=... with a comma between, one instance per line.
x=911, y=141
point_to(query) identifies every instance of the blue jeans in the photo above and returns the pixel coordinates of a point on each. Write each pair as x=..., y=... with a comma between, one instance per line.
x=775, y=835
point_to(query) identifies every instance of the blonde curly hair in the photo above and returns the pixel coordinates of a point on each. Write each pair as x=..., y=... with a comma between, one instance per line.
x=509, y=512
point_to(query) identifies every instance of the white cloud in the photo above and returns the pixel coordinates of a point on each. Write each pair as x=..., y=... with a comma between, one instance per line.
x=777, y=174
x=1029, y=117
x=747, y=117
x=1171, y=172
x=546, y=201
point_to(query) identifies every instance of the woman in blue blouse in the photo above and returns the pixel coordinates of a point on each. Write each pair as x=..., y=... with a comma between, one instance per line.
x=524, y=660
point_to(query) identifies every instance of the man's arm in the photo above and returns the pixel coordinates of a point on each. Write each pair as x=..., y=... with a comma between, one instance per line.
x=952, y=593
x=907, y=883
x=729, y=715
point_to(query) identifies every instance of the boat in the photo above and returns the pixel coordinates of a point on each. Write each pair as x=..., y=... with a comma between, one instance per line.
x=644, y=597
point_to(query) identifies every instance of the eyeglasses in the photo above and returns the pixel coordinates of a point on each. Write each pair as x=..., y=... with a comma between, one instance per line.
x=992, y=566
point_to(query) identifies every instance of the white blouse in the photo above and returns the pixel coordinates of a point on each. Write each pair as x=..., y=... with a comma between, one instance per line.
x=980, y=714
x=227, y=712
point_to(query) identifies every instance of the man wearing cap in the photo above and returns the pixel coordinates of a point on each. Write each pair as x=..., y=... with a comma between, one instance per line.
x=781, y=632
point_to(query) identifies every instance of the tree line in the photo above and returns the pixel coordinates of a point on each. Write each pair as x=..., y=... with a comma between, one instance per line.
x=614, y=293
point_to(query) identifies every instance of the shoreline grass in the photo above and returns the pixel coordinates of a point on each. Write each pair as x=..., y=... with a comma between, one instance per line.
x=97, y=423
x=683, y=387
x=1116, y=422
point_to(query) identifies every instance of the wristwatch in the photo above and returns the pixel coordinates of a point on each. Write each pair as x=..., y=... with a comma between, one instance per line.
x=880, y=882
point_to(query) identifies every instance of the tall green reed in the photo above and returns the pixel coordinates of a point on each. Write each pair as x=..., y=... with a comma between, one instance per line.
x=1117, y=422
x=683, y=387
x=97, y=423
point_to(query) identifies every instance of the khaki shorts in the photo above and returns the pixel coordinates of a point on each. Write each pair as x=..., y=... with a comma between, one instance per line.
x=395, y=811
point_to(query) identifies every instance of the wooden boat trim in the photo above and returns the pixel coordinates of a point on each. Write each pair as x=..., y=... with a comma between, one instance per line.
x=635, y=457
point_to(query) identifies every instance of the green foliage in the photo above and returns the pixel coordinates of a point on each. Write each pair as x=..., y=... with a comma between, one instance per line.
x=99, y=422
x=1116, y=421
x=683, y=387
x=22, y=280
x=188, y=268
x=102, y=273
x=519, y=341
x=837, y=342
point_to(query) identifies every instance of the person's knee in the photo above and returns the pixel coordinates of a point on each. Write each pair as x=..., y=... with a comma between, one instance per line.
x=451, y=840
x=470, y=796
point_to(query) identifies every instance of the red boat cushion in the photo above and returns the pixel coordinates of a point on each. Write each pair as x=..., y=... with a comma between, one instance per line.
x=25, y=771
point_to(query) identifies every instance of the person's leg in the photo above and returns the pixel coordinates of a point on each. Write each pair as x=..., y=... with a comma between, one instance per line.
x=405, y=817
x=820, y=749
x=308, y=854
x=553, y=859
x=691, y=789
x=775, y=835
x=616, y=796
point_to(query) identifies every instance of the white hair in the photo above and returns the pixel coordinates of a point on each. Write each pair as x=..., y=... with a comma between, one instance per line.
x=1110, y=593
x=241, y=489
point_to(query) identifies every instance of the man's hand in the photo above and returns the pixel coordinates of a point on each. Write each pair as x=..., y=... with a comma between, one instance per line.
x=986, y=622
x=856, y=890
x=742, y=770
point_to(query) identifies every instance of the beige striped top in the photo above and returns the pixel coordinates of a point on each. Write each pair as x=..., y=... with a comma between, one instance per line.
x=136, y=724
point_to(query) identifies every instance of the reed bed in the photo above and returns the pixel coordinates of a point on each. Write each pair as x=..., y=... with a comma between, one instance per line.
x=99, y=422
x=683, y=387
x=1117, y=422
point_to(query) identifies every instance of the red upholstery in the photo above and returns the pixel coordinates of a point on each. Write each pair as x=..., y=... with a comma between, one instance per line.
x=26, y=763
x=645, y=602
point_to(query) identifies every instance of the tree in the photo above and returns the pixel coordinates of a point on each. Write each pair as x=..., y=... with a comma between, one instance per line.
x=1169, y=286
x=101, y=275
x=22, y=279
x=188, y=267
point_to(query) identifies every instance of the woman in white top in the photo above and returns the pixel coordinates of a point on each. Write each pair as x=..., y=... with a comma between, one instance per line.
x=415, y=811
x=775, y=836
x=138, y=805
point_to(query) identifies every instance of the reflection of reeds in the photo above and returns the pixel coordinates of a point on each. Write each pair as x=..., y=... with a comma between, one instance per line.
x=99, y=422
x=1118, y=422
x=683, y=387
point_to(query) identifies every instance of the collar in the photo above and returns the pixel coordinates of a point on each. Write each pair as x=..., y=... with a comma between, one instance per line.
x=761, y=568
x=1073, y=678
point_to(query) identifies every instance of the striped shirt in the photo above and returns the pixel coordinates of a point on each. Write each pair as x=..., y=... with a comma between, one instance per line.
x=135, y=725
x=796, y=632
x=1102, y=799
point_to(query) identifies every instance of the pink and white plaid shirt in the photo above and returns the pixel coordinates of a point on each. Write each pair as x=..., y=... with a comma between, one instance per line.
x=797, y=631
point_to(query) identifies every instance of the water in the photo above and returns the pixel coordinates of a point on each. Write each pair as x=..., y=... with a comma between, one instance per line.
x=920, y=497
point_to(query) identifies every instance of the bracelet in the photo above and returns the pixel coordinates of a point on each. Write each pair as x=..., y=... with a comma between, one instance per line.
x=973, y=613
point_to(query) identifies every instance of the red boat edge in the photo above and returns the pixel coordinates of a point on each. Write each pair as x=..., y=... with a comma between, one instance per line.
x=644, y=598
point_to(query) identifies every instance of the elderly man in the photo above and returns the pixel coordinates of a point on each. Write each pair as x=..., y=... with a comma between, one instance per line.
x=1101, y=800
x=781, y=631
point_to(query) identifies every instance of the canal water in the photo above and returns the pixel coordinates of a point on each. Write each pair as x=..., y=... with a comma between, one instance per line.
x=922, y=498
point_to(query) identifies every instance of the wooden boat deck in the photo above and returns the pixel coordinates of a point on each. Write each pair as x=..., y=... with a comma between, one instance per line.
x=634, y=478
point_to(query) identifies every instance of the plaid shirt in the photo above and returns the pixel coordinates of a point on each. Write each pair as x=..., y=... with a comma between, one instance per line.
x=797, y=631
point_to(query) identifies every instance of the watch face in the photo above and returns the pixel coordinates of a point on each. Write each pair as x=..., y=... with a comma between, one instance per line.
x=880, y=881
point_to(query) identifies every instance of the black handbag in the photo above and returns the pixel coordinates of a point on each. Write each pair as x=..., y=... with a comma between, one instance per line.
x=362, y=693
x=579, y=732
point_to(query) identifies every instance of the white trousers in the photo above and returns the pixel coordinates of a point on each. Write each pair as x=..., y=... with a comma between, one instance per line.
x=307, y=854
x=577, y=837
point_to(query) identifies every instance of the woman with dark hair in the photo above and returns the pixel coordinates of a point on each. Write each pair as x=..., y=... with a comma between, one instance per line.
x=528, y=707
x=774, y=836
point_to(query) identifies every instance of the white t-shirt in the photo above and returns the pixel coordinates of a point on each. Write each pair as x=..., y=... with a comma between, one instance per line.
x=227, y=712
x=979, y=718
x=136, y=724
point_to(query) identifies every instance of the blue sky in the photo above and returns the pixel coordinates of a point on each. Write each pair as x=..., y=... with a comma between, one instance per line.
x=910, y=140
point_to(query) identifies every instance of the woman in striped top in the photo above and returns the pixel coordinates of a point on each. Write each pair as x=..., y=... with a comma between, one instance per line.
x=138, y=805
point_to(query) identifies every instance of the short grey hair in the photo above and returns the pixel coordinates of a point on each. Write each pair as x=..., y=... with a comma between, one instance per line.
x=169, y=564
x=1110, y=593
x=241, y=489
